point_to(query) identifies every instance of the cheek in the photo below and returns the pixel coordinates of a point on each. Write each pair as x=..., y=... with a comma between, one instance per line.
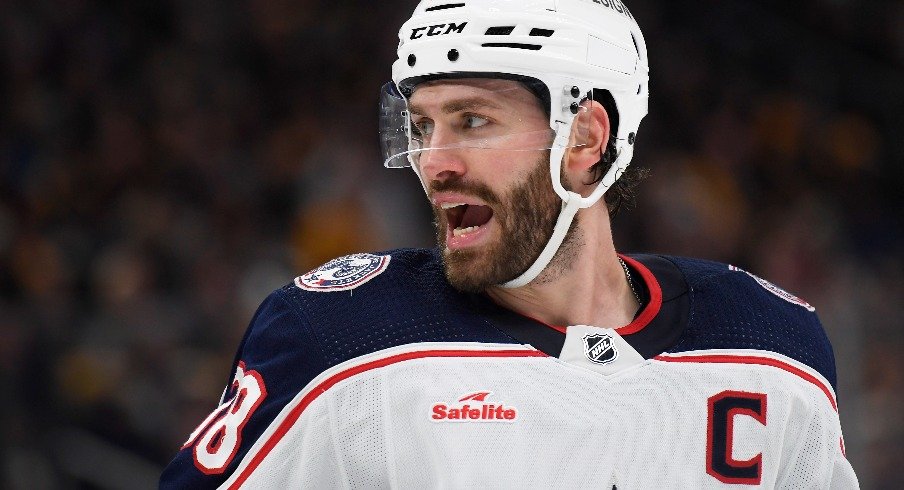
x=505, y=170
x=532, y=196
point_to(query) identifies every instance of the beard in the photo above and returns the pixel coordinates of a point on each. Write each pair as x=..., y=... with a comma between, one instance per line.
x=526, y=217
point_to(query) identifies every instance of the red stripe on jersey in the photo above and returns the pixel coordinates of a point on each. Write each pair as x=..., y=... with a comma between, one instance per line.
x=655, y=304
x=312, y=395
x=762, y=361
x=646, y=316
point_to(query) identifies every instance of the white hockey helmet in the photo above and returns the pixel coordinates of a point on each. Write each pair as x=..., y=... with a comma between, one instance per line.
x=570, y=47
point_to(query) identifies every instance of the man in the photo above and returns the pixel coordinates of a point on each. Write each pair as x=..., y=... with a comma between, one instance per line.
x=524, y=351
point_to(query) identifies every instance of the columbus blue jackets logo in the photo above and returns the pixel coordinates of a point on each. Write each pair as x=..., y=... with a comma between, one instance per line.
x=600, y=348
x=343, y=273
x=772, y=288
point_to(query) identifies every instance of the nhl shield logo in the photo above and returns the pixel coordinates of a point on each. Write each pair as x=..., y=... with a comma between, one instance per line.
x=600, y=348
x=344, y=273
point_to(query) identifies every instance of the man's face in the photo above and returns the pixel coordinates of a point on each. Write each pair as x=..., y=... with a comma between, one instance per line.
x=489, y=181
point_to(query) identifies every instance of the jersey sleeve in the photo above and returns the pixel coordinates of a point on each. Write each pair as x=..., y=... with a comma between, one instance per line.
x=277, y=358
x=843, y=476
x=813, y=456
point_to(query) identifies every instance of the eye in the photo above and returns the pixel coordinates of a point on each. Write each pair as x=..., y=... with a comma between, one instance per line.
x=475, y=121
x=423, y=127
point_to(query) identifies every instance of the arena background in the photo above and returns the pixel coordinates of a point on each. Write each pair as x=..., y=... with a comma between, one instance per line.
x=166, y=164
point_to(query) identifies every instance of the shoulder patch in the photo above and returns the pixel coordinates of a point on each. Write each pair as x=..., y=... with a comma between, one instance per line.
x=772, y=288
x=344, y=273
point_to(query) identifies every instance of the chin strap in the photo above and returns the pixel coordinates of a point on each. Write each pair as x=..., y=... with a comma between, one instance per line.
x=571, y=204
x=570, y=208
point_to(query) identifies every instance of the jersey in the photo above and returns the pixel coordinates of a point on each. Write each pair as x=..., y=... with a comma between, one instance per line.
x=373, y=372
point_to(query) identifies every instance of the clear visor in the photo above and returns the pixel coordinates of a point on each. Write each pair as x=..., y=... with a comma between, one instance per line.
x=502, y=116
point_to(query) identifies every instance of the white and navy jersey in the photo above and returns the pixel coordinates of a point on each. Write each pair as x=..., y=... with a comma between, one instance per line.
x=373, y=372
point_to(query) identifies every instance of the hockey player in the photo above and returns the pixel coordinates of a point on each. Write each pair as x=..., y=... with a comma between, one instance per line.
x=523, y=351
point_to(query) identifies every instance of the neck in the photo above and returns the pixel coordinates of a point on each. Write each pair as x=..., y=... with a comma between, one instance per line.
x=583, y=285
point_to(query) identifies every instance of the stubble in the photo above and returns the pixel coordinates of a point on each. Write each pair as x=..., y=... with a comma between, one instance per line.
x=526, y=217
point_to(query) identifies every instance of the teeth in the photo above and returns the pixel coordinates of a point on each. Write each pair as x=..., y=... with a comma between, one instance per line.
x=464, y=231
x=450, y=205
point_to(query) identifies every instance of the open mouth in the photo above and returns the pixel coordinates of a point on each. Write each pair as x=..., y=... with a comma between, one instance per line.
x=465, y=219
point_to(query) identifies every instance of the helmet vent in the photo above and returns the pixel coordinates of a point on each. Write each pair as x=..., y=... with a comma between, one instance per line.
x=444, y=7
x=536, y=31
x=500, y=30
x=532, y=47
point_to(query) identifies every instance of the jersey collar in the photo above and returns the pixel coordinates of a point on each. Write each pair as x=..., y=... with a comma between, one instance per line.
x=655, y=328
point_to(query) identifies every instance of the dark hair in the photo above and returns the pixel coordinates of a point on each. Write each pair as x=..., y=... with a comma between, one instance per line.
x=624, y=191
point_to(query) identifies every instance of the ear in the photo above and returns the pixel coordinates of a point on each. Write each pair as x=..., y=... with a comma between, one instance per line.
x=589, y=136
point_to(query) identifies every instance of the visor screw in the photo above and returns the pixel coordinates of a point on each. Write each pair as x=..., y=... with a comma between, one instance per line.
x=574, y=107
x=412, y=59
x=575, y=92
x=453, y=54
x=631, y=138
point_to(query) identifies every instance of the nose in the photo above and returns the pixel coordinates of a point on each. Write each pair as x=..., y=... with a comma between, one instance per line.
x=442, y=161
x=440, y=164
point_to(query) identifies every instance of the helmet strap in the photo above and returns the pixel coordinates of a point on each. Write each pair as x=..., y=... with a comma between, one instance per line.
x=570, y=208
x=572, y=202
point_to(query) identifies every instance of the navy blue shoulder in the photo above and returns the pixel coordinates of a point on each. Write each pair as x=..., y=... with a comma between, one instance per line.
x=733, y=309
x=346, y=308
x=407, y=302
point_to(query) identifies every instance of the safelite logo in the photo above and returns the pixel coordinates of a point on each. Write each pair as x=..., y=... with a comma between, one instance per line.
x=474, y=408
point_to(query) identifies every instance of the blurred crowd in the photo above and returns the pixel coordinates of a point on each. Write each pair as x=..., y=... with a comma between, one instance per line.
x=164, y=165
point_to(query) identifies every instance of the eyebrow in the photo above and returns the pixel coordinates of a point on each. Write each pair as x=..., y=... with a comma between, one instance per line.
x=459, y=105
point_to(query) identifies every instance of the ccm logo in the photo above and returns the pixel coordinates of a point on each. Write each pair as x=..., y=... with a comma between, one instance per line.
x=479, y=412
x=438, y=30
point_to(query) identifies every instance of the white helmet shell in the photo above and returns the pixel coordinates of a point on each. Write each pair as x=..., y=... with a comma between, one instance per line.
x=587, y=44
x=563, y=43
